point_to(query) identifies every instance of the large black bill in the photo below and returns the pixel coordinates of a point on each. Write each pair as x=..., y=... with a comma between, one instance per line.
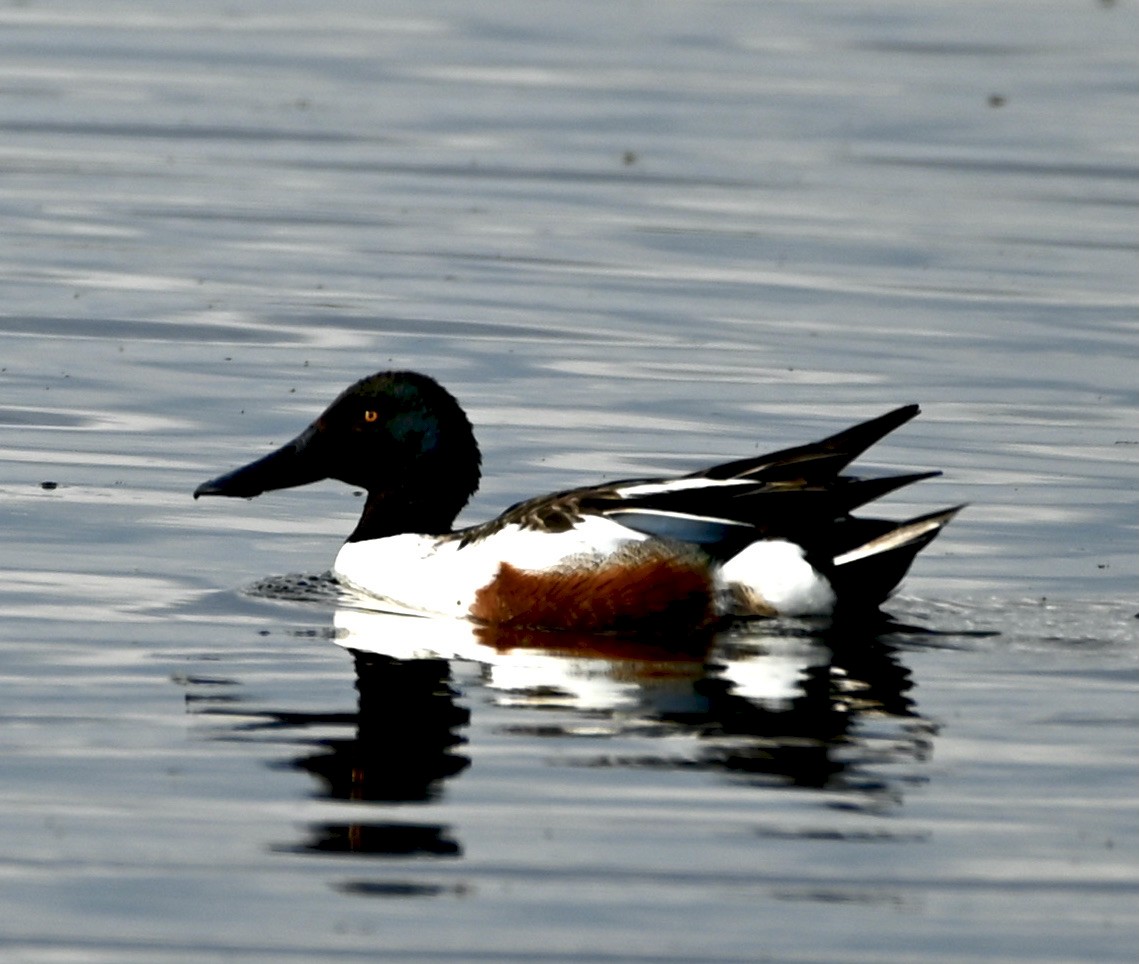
x=294, y=463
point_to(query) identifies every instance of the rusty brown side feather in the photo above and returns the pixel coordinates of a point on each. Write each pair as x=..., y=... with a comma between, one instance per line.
x=650, y=594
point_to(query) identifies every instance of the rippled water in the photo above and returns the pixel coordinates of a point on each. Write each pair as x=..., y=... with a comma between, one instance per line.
x=631, y=239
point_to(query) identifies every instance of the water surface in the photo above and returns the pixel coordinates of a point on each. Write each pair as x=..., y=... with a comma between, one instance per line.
x=631, y=240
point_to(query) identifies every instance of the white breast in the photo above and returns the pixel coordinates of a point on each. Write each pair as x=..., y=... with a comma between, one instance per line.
x=437, y=575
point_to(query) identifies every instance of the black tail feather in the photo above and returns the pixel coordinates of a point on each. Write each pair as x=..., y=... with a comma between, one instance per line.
x=865, y=574
x=816, y=460
x=856, y=492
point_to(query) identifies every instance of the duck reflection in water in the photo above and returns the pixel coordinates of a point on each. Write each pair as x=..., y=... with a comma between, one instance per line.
x=778, y=704
x=785, y=706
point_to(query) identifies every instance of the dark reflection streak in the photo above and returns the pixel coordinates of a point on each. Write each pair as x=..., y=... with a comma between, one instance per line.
x=178, y=132
x=393, y=888
x=191, y=132
x=875, y=837
x=517, y=174
x=268, y=720
x=377, y=839
x=1006, y=166
x=1077, y=244
x=946, y=49
x=435, y=327
x=256, y=215
x=214, y=698
x=124, y=328
x=39, y=418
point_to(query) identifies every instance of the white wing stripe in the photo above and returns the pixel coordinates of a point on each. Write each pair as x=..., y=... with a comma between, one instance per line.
x=680, y=485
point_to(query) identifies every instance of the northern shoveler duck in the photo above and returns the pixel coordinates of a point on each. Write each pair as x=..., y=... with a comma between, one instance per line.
x=770, y=535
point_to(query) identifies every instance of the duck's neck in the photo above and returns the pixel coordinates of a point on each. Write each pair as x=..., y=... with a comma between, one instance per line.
x=388, y=515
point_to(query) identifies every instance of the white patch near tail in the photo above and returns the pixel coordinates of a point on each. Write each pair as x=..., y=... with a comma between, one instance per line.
x=777, y=572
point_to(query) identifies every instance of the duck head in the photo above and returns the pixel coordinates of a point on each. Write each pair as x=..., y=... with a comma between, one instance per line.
x=399, y=435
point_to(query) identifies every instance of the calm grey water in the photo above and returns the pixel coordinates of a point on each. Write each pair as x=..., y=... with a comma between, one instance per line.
x=632, y=238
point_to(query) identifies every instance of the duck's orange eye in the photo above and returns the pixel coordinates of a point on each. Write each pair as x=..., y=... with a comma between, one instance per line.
x=371, y=416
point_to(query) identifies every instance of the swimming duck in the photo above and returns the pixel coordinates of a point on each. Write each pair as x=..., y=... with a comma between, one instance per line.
x=768, y=535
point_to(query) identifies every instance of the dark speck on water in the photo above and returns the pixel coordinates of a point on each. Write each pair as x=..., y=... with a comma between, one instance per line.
x=670, y=236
